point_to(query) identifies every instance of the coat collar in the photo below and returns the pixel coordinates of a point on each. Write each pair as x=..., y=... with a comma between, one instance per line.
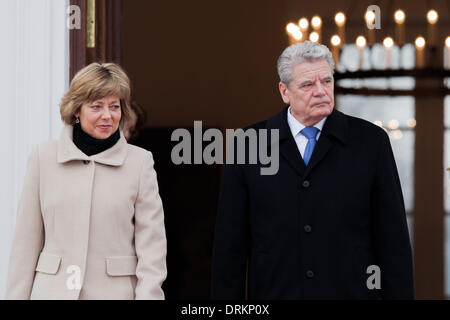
x=335, y=128
x=68, y=151
x=335, y=125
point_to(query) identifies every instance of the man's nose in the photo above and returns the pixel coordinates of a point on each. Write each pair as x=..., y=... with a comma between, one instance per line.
x=318, y=89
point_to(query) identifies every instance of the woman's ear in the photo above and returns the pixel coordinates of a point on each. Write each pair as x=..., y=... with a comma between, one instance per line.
x=77, y=114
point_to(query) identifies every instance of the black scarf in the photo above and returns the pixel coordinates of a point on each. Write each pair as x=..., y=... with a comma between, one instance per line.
x=90, y=145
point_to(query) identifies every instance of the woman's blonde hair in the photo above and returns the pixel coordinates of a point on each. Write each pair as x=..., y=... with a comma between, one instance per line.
x=93, y=82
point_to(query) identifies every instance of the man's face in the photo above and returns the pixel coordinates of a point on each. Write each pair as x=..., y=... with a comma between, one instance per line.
x=310, y=92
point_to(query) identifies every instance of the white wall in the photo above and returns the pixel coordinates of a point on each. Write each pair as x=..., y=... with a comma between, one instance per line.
x=34, y=73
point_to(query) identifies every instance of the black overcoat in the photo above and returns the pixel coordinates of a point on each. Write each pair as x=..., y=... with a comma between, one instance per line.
x=311, y=232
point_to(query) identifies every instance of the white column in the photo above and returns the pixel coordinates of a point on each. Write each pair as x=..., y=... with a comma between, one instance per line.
x=34, y=64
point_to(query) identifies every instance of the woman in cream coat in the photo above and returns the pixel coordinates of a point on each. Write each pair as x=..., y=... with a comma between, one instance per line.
x=90, y=222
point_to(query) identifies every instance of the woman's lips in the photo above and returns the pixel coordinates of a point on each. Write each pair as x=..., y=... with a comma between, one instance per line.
x=104, y=127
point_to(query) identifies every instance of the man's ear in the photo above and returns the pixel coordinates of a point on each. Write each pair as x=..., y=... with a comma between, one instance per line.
x=283, y=91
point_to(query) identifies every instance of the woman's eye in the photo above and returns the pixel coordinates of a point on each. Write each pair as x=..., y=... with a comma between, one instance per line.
x=96, y=107
x=116, y=107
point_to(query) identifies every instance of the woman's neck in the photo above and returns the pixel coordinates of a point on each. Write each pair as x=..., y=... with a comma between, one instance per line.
x=90, y=145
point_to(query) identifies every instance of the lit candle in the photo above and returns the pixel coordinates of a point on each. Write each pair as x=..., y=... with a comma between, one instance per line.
x=393, y=124
x=411, y=122
x=298, y=35
x=335, y=42
x=432, y=17
x=295, y=35
x=370, y=20
x=339, y=18
x=388, y=43
x=304, y=25
x=399, y=17
x=447, y=53
x=361, y=44
x=314, y=36
x=316, y=24
x=420, y=52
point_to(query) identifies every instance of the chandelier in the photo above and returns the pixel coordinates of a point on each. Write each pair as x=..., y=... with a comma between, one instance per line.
x=425, y=46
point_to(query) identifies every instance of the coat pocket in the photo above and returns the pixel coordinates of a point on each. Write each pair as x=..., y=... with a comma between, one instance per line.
x=121, y=266
x=48, y=263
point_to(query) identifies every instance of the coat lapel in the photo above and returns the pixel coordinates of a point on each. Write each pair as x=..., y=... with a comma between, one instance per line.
x=288, y=147
x=322, y=147
x=334, y=129
x=68, y=151
x=289, y=151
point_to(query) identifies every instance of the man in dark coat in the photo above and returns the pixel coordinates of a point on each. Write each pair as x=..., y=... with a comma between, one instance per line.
x=331, y=223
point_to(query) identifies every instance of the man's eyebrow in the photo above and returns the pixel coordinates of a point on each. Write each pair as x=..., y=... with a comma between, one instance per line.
x=303, y=81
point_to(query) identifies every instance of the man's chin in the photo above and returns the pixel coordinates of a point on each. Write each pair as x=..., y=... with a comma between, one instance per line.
x=322, y=110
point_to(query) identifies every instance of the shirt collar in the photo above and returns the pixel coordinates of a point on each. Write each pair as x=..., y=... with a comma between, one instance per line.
x=296, y=126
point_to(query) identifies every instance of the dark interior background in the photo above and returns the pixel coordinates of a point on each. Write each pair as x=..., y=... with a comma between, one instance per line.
x=199, y=60
x=215, y=61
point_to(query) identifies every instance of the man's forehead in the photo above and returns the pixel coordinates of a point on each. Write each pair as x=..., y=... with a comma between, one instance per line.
x=314, y=74
x=312, y=70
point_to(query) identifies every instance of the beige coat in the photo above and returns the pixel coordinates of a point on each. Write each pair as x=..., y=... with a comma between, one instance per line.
x=88, y=227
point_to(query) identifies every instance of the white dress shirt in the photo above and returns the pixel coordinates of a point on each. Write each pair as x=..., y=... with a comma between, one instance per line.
x=296, y=126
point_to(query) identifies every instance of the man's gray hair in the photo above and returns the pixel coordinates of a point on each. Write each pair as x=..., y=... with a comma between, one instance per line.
x=301, y=52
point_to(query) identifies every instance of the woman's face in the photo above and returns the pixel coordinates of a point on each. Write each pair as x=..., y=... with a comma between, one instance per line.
x=100, y=118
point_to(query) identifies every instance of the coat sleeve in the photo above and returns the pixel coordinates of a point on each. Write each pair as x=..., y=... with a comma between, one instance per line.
x=390, y=230
x=231, y=238
x=150, y=236
x=28, y=237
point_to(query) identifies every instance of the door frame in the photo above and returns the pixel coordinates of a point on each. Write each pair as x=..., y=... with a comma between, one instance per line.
x=108, y=32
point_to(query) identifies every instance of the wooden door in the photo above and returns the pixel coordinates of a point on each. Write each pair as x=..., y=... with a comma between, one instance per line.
x=99, y=38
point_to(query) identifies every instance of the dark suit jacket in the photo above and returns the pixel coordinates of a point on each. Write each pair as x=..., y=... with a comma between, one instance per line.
x=310, y=232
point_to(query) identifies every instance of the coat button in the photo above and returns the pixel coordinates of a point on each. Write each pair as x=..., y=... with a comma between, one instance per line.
x=305, y=184
x=86, y=161
x=307, y=228
x=309, y=274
